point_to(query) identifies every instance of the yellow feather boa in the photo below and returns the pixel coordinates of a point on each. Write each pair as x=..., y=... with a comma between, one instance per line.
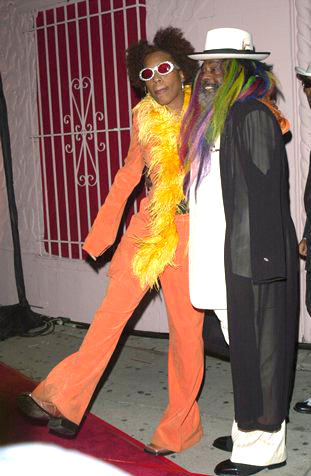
x=159, y=128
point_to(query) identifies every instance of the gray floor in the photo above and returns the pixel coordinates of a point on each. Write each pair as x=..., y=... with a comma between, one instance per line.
x=134, y=394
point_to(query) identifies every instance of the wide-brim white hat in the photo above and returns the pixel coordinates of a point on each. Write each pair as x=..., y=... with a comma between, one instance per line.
x=223, y=43
x=304, y=72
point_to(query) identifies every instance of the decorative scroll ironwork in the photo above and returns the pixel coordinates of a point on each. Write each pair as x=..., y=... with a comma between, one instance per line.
x=84, y=132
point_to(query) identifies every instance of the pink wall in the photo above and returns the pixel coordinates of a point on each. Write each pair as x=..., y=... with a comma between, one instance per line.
x=69, y=287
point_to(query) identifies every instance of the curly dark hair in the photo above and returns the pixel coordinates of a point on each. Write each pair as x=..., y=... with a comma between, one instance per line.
x=171, y=41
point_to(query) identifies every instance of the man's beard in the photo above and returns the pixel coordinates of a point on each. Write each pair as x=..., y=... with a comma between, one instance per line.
x=207, y=93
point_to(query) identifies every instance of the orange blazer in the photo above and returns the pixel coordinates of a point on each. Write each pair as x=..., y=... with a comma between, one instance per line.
x=106, y=224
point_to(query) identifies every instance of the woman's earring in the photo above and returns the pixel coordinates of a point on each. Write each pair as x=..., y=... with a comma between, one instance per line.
x=182, y=85
x=146, y=90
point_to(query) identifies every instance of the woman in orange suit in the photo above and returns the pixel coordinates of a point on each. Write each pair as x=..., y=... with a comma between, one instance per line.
x=153, y=247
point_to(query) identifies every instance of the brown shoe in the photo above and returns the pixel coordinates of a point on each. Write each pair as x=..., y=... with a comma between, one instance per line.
x=46, y=412
x=157, y=451
x=36, y=409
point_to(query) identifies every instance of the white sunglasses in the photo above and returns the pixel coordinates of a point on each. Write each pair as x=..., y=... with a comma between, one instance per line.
x=163, y=68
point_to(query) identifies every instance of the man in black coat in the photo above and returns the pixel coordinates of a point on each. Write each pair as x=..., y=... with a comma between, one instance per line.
x=305, y=245
x=232, y=142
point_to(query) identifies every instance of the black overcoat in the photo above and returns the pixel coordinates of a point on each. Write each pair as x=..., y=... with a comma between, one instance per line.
x=307, y=236
x=261, y=264
x=307, y=203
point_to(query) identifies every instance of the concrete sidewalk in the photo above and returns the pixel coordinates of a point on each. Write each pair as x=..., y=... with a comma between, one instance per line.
x=133, y=394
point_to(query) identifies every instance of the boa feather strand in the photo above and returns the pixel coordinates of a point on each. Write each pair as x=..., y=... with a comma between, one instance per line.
x=159, y=129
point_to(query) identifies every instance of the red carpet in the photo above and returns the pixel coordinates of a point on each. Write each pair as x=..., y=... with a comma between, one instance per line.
x=96, y=437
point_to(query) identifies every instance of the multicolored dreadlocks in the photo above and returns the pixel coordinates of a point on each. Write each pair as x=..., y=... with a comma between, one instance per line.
x=204, y=121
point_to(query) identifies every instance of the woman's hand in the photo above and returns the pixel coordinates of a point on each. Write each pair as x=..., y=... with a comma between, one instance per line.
x=303, y=248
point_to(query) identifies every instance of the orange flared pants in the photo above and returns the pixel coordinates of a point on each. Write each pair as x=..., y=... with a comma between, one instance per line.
x=71, y=384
